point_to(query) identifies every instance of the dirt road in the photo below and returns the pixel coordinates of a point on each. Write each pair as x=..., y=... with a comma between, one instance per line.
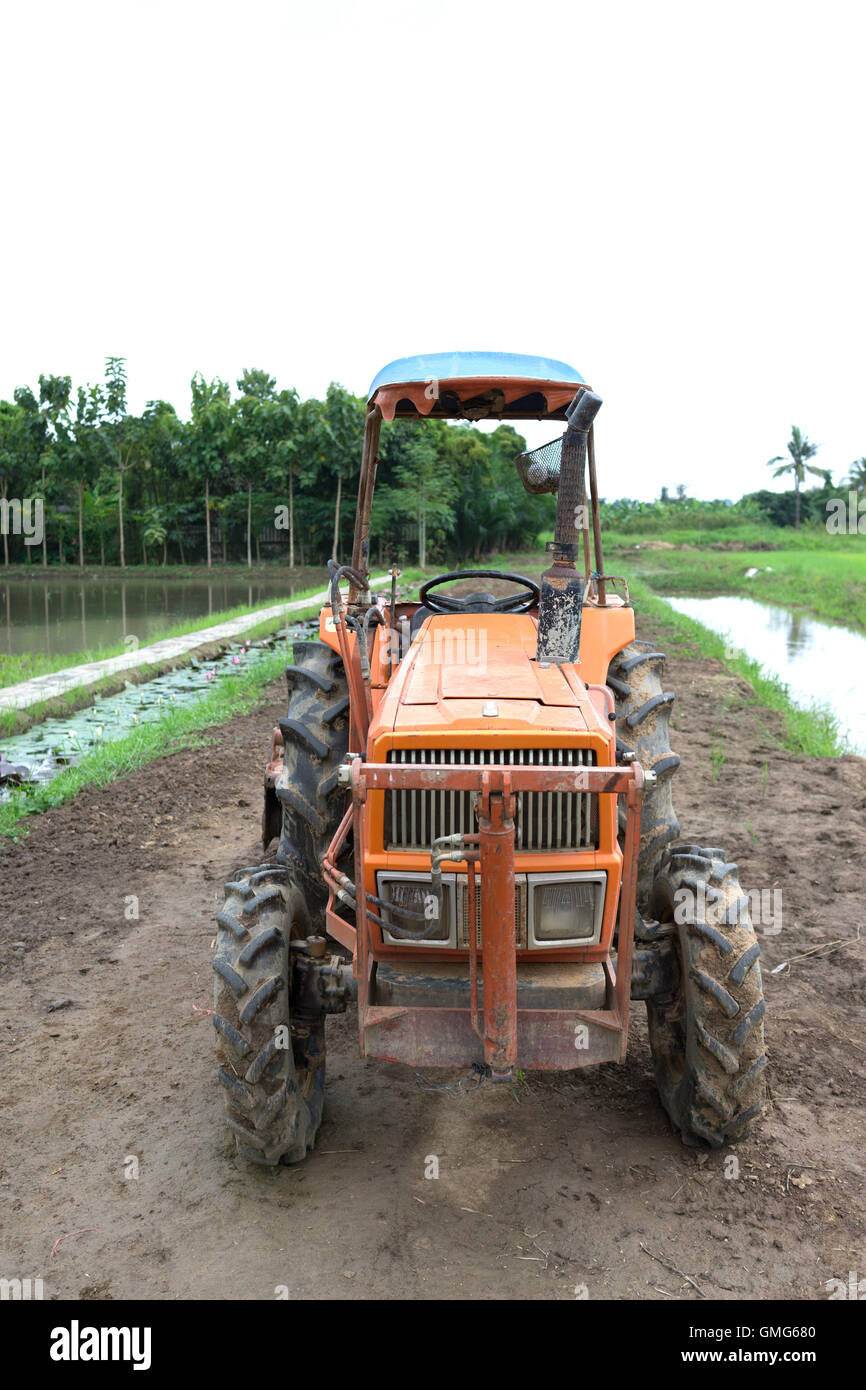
x=568, y=1183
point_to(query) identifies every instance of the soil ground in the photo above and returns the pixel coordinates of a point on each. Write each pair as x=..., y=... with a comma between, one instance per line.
x=568, y=1182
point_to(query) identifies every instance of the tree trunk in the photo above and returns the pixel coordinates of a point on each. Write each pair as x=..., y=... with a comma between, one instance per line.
x=165, y=551
x=101, y=548
x=422, y=537
x=180, y=548
x=206, y=519
x=80, y=524
x=796, y=502
x=249, y=526
x=120, y=516
x=291, y=516
x=44, y=528
x=337, y=516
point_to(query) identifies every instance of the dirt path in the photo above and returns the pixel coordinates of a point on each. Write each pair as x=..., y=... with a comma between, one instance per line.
x=571, y=1182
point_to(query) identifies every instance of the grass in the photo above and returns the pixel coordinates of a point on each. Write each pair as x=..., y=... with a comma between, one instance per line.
x=718, y=755
x=814, y=731
x=827, y=584
x=180, y=728
x=747, y=535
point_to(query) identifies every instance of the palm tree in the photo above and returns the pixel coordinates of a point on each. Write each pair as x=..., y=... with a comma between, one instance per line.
x=856, y=479
x=800, y=450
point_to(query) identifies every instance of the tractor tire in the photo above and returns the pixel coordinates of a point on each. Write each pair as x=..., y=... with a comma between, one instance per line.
x=316, y=740
x=707, y=1035
x=274, y=1092
x=643, y=711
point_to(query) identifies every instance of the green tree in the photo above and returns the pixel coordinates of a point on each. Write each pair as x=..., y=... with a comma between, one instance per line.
x=336, y=435
x=13, y=427
x=100, y=503
x=284, y=458
x=856, y=479
x=800, y=451
x=420, y=490
x=252, y=451
x=206, y=440
x=120, y=433
x=80, y=458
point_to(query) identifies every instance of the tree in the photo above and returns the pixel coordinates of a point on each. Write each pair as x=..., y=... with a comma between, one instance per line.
x=339, y=431
x=284, y=429
x=54, y=393
x=252, y=442
x=80, y=452
x=100, y=502
x=45, y=428
x=160, y=432
x=417, y=483
x=206, y=440
x=801, y=451
x=13, y=425
x=856, y=479
x=119, y=432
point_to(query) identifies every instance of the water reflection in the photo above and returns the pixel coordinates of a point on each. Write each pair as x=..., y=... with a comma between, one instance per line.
x=56, y=615
x=815, y=660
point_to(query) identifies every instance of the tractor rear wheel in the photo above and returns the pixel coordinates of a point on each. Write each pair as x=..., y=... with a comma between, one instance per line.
x=643, y=710
x=316, y=740
x=707, y=1034
x=271, y=1069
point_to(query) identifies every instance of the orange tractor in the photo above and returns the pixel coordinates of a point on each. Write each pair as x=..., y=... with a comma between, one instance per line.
x=472, y=795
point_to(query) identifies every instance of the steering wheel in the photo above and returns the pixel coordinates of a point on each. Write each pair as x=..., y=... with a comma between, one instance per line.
x=512, y=603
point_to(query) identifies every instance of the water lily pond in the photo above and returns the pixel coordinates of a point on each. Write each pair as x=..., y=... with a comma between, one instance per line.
x=44, y=750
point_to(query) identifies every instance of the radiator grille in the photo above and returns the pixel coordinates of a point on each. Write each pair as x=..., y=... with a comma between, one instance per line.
x=520, y=924
x=564, y=821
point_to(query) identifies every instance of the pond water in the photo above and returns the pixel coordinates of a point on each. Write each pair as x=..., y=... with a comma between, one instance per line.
x=56, y=615
x=43, y=751
x=818, y=662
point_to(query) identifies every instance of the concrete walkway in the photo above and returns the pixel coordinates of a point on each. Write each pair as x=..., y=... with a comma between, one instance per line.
x=61, y=682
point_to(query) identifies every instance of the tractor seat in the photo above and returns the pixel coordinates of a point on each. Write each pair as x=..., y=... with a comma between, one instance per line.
x=475, y=603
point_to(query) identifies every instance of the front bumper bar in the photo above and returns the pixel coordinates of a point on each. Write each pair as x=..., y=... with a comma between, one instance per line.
x=541, y=1039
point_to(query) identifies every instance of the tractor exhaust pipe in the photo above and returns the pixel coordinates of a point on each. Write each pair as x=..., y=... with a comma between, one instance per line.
x=561, y=606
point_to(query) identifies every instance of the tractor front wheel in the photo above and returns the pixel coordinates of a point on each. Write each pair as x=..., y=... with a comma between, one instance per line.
x=271, y=1067
x=707, y=1033
x=643, y=710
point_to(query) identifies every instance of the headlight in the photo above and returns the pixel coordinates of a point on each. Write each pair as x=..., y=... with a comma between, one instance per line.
x=566, y=909
x=413, y=892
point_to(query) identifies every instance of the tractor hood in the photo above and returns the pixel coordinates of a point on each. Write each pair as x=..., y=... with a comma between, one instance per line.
x=478, y=671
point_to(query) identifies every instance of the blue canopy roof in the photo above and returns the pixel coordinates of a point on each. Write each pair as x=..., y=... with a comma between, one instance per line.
x=445, y=366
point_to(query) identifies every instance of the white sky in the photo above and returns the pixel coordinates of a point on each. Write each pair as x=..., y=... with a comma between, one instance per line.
x=669, y=196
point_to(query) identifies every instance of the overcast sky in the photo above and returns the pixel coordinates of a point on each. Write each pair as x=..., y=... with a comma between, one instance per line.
x=669, y=196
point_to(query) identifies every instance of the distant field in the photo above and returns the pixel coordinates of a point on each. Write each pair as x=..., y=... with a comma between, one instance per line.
x=746, y=536
x=829, y=584
x=829, y=581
